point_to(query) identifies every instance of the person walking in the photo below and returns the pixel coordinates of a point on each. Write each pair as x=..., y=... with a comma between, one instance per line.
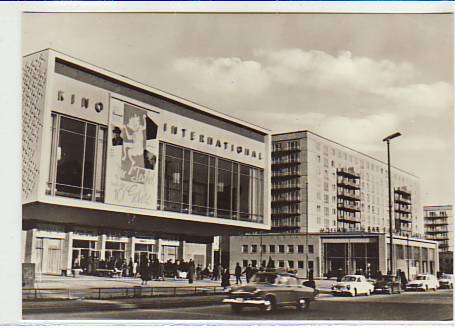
x=238, y=274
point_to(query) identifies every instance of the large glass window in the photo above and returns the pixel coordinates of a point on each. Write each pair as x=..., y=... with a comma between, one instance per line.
x=197, y=183
x=78, y=159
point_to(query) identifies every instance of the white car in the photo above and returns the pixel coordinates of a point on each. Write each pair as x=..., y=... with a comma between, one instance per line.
x=353, y=285
x=446, y=281
x=423, y=282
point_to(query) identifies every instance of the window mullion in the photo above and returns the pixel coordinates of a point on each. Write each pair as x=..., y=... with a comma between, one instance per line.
x=54, y=159
x=95, y=162
x=190, y=184
x=83, y=162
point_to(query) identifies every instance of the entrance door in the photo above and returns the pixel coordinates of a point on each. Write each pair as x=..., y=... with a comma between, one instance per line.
x=54, y=260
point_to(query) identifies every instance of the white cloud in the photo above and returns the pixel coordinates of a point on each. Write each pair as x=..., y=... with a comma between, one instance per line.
x=223, y=75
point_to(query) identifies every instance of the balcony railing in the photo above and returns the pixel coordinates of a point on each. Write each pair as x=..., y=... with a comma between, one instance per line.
x=285, y=161
x=350, y=219
x=285, y=199
x=349, y=173
x=285, y=149
x=401, y=200
x=402, y=191
x=348, y=207
x=286, y=186
x=349, y=184
x=403, y=209
x=284, y=213
x=286, y=174
x=348, y=194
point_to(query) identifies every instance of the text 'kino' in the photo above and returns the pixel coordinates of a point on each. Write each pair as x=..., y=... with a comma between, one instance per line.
x=191, y=135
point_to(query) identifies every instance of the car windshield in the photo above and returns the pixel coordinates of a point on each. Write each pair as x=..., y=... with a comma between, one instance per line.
x=264, y=278
x=446, y=276
x=349, y=278
x=422, y=278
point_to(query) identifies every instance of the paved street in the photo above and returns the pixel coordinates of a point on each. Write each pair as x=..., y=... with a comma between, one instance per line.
x=408, y=306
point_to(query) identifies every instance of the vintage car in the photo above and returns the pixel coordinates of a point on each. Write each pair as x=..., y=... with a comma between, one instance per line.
x=423, y=282
x=387, y=285
x=446, y=281
x=353, y=285
x=270, y=290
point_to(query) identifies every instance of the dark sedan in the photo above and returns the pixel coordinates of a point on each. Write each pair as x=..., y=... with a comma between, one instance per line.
x=270, y=290
x=387, y=285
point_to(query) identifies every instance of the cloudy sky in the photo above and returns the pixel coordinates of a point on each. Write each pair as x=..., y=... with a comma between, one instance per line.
x=353, y=78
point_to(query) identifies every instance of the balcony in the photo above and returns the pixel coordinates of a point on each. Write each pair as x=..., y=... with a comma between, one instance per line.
x=402, y=191
x=348, y=173
x=286, y=186
x=401, y=200
x=287, y=213
x=403, y=218
x=286, y=200
x=276, y=150
x=286, y=174
x=434, y=232
x=348, y=207
x=403, y=209
x=348, y=184
x=348, y=195
x=285, y=161
x=348, y=219
x=436, y=222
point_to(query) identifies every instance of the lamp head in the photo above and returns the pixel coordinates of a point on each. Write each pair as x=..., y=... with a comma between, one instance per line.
x=395, y=135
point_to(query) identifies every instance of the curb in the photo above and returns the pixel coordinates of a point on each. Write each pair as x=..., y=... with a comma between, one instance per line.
x=120, y=304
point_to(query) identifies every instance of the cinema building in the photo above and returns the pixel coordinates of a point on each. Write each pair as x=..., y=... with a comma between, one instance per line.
x=115, y=168
x=330, y=212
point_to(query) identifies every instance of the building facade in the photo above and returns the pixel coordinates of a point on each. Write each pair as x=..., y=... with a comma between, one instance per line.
x=439, y=227
x=320, y=185
x=327, y=254
x=115, y=168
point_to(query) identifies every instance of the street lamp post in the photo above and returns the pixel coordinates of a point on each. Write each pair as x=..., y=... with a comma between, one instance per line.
x=387, y=139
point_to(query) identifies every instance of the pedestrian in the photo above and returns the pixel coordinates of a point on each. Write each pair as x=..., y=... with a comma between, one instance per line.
x=238, y=274
x=134, y=269
x=248, y=273
x=225, y=278
x=143, y=271
x=215, y=272
x=130, y=267
x=191, y=271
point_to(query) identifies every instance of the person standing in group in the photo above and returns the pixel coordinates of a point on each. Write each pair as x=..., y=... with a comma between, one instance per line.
x=238, y=274
x=130, y=267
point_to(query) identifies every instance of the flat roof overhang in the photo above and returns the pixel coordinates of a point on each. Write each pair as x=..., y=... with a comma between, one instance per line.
x=184, y=228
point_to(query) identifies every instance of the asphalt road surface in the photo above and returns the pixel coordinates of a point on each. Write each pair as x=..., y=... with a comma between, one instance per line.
x=434, y=306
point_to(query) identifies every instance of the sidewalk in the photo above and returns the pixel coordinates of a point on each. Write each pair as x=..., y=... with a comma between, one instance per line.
x=85, y=282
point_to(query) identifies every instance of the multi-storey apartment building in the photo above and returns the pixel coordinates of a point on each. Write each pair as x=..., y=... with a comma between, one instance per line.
x=113, y=168
x=439, y=227
x=330, y=202
x=331, y=186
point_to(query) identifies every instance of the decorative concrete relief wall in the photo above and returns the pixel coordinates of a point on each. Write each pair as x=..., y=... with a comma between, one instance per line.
x=33, y=93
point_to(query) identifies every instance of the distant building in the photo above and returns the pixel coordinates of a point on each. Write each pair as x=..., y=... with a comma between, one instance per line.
x=339, y=196
x=439, y=227
x=329, y=253
x=337, y=187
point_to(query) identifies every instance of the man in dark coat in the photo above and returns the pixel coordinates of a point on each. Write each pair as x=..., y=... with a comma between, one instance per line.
x=191, y=270
x=238, y=274
x=225, y=278
x=248, y=273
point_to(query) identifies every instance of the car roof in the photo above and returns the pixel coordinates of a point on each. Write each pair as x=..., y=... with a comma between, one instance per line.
x=354, y=275
x=278, y=273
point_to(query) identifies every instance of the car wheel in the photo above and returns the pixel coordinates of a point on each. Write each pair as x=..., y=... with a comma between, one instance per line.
x=303, y=304
x=368, y=292
x=434, y=288
x=236, y=308
x=354, y=292
x=426, y=288
x=269, y=304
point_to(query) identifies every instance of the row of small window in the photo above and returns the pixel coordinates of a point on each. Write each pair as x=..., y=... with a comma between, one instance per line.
x=271, y=263
x=286, y=145
x=273, y=249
